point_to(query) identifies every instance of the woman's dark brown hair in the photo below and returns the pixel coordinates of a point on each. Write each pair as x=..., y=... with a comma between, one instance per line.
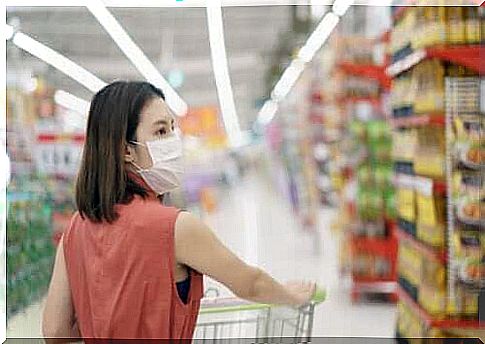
x=103, y=180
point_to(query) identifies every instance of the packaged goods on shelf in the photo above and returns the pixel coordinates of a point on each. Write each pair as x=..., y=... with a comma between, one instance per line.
x=406, y=198
x=431, y=213
x=422, y=27
x=430, y=157
x=30, y=250
x=437, y=152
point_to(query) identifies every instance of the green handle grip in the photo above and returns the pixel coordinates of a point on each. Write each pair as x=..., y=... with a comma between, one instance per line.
x=319, y=296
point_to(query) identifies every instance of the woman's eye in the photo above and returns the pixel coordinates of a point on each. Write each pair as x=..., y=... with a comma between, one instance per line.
x=162, y=131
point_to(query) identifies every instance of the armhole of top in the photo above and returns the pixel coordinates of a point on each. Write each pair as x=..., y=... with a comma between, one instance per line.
x=173, y=261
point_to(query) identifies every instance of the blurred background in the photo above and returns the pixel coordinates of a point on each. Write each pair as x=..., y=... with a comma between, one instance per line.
x=345, y=146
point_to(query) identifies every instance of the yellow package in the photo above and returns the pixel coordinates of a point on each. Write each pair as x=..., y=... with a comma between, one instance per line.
x=409, y=263
x=432, y=300
x=431, y=213
x=456, y=25
x=420, y=39
x=404, y=145
x=464, y=303
x=432, y=235
x=434, y=274
x=430, y=87
x=472, y=25
x=406, y=204
x=430, y=153
x=435, y=25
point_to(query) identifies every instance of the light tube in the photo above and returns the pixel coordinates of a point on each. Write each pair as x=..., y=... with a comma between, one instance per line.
x=221, y=70
x=341, y=6
x=136, y=55
x=71, y=102
x=318, y=37
x=52, y=57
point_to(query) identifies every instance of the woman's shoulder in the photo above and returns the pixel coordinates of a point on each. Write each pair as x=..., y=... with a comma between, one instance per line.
x=150, y=206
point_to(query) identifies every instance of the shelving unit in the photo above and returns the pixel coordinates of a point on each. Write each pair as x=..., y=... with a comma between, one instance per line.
x=380, y=249
x=432, y=301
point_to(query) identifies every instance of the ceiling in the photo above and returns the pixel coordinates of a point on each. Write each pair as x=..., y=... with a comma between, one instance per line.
x=172, y=38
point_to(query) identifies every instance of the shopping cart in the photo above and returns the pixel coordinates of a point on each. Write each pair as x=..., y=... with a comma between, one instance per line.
x=238, y=321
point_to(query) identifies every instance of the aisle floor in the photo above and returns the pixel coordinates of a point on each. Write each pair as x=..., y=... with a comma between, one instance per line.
x=256, y=222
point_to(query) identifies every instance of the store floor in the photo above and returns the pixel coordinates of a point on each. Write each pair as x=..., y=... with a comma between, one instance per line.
x=255, y=221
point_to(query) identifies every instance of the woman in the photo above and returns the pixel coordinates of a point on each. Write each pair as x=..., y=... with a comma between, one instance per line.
x=128, y=266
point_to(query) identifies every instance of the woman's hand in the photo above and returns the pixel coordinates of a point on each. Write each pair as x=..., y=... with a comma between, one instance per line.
x=301, y=291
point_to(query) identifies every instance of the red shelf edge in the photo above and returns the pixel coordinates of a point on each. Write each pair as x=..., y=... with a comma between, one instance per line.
x=437, y=323
x=422, y=247
x=419, y=120
x=372, y=280
x=465, y=55
x=368, y=71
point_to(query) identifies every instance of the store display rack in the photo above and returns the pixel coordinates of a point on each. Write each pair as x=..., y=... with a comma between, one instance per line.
x=382, y=250
x=435, y=99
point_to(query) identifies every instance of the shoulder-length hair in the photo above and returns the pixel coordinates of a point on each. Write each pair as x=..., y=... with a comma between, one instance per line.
x=103, y=180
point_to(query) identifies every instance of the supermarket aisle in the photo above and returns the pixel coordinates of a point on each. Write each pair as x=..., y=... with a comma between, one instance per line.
x=256, y=222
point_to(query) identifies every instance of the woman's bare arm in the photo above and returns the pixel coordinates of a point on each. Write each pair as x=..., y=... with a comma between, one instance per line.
x=58, y=322
x=197, y=247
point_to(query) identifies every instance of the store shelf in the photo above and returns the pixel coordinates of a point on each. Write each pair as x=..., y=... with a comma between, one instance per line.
x=433, y=322
x=422, y=247
x=373, y=100
x=407, y=180
x=367, y=71
x=419, y=121
x=372, y=280
x=465, y=55
x=374, y=245
x=376, y=286
x=44, y=138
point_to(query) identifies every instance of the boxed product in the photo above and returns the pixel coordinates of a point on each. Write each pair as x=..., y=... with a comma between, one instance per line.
x=430, y=159
x=431, y=213
x=409, y=324
x=406, y=198
x=404, y=145
x=428, y=87
x=464, y=303
x=409, y=263
x=456, y=25
x=472, y=24
x=433, y=274
x=432, y=300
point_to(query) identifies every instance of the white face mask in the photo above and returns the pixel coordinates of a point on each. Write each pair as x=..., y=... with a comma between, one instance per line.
x=167, y=169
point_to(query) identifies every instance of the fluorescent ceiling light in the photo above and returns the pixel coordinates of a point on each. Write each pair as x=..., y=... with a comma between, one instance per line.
x=318, y=37
x=71, y=102
x=71, y=69
x=221, y=69
x=341, y=6
x=288, y=79
x=136, y=55
x=267, y=112
x=8, y=31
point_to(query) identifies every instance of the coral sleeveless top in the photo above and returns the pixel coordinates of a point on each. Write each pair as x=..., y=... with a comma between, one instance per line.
x=122, y=275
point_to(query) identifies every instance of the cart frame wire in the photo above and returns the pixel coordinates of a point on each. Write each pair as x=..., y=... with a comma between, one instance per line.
x=233, y=320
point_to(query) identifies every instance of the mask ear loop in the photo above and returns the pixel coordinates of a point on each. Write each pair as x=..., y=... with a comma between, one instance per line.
x=138, y=168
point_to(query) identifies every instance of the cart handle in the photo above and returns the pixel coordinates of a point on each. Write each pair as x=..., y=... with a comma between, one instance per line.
x=237, y=305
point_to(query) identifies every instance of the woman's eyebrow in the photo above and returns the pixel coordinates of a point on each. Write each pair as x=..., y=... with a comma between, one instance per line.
x=161, y=122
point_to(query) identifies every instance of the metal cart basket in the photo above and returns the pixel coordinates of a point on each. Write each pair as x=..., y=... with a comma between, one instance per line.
x=237, y=321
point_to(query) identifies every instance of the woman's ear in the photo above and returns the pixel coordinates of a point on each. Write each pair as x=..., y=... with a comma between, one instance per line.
x=129, y=154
